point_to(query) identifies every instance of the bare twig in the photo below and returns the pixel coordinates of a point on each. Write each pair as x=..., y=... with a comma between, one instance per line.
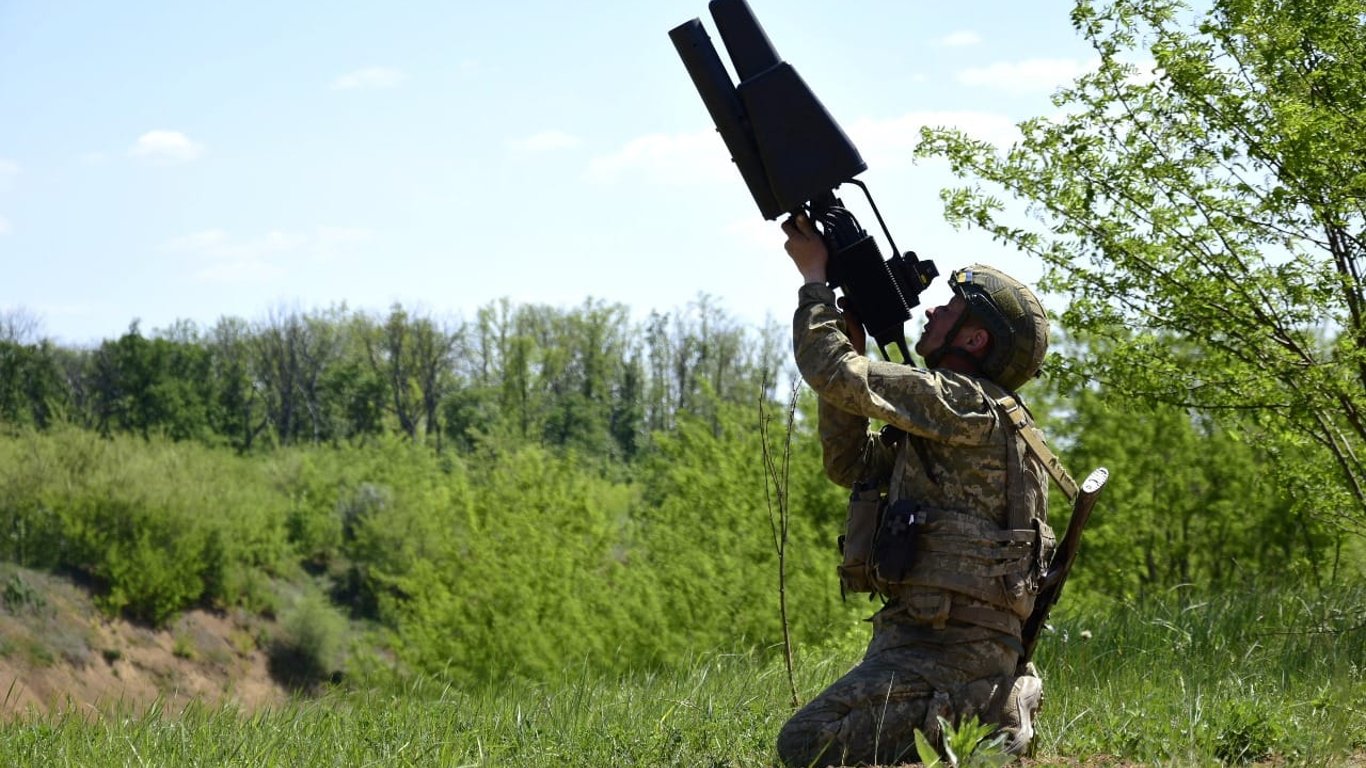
x=776, y=490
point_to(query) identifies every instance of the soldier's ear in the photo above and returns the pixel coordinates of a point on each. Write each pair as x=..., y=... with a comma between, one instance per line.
x=975, y=339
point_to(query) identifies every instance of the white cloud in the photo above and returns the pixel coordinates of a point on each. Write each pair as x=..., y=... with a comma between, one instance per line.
x=218, y=257
x=701, y=158
x=166, y=147
x=545, y=141
x=890, y=142
x=960, y=39
x=687, y=158
x=370, y=77
x=4, y=226
x=1028, y=76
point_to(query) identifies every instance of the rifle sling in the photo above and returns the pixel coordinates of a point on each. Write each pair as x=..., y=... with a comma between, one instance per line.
x=1019, y=418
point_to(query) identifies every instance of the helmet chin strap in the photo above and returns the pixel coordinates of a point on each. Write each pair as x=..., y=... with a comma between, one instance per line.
x=933, y=359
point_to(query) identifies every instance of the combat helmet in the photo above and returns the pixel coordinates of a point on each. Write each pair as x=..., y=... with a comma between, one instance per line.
x=1014, y=317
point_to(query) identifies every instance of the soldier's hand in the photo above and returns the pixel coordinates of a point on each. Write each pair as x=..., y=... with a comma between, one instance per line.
x=805, y=246
x=853, y=327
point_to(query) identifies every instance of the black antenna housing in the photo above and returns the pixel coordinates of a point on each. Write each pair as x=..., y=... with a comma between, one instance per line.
x=793, y=155
x=787, y=146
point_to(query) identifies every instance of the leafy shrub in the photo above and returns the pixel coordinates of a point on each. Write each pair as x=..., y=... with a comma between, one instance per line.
x=155, y=527
x=307, y=649
x=527, y=558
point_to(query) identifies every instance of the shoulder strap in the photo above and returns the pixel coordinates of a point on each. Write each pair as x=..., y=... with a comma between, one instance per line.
x=1024, y=426
x=897, y=438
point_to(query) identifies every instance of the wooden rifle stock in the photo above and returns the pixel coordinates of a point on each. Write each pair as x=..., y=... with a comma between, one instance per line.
x=1063, y=557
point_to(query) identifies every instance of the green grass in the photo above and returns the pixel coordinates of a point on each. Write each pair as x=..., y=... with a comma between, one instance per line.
x=1229, y=679
x=1260, y=676
x=723, y=712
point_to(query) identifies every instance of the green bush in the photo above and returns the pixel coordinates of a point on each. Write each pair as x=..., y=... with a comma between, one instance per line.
x=309, y=644
x=527, y=559
x=154, y=526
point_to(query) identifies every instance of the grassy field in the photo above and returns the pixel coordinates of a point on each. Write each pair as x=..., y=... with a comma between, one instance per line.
x=1261, y=678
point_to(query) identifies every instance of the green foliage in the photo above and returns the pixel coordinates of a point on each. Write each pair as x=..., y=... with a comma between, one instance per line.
x=970, y=745
x=155, y=527
x=510, y=577
x=702, y=517
x=516, y=558
x=30, y=383
x=583, y=379
x=1204, y=217
x=310, y=643
x=1245, y=731
x=503, y=563
x=1188, y=501
x=1296, y=698
x=153, y=386
x=19, y=596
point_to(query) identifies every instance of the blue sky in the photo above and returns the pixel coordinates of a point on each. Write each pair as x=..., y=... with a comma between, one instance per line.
x=172, y=160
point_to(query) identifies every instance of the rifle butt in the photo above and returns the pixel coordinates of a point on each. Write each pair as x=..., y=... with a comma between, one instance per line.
x=1063, y=559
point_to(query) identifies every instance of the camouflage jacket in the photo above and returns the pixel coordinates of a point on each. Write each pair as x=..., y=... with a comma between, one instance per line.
x=957, y=454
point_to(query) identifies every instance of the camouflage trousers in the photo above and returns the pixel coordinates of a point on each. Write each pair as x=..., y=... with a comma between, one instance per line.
x=909, y=676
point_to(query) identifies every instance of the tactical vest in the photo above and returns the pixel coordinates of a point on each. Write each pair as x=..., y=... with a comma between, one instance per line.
x=942, y=564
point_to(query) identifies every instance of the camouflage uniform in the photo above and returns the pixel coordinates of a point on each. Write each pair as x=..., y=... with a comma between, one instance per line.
x=947, y=642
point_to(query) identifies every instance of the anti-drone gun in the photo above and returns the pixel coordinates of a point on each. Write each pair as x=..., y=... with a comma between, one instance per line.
x=793, y=156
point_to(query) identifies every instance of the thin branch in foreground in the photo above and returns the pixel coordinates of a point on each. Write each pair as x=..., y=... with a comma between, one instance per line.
x=776, y=479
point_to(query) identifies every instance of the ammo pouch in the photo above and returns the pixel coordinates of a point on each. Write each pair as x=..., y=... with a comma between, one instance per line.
x=856, y=544
x=878, y=545
x=894, y=545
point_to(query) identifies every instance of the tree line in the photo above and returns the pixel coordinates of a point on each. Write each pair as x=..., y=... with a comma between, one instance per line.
x=563, y=469
x=588, y=378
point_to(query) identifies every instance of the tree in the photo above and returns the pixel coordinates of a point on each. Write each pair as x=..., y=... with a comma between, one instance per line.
x=238, y=412
x=156, y=385
x=583, y=352
x=701, y=356
x=19, y=326
x=355, y=393
x=389, y=349
x=1188, y=503
x=290, y=354
x=434, y=346
x=1206, y=219
x=275, y=364
x=30, y=382
x=626, y=422
x=412, y=356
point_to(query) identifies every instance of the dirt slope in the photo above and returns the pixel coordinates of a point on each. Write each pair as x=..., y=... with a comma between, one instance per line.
x=58, y=652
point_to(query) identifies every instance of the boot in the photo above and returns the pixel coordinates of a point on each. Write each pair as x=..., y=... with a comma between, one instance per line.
x=1020, y=708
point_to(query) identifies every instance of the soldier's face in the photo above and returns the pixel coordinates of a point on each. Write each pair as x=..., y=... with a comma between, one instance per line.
x=938, y=321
